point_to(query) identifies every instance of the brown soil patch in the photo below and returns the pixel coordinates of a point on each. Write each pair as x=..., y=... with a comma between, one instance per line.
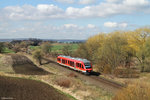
x=20, y=64
x=29, y=69
x=23, y=89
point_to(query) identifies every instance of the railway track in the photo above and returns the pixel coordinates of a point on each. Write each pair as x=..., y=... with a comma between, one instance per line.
x=108, y=82
x=94, y=79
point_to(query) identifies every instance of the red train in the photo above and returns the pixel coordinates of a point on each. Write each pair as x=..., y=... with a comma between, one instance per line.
x=82, y=65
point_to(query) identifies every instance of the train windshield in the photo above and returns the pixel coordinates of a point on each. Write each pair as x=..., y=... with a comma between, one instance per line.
x=87, y=65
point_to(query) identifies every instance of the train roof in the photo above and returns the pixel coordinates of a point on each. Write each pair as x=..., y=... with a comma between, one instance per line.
x=79, y=59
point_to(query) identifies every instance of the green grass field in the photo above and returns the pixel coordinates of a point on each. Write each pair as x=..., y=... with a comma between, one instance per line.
x=6, y=50
x=34, y=47
x=57, y=47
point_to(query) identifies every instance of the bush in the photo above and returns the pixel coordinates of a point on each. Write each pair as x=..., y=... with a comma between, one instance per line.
x=126, y=73
x=37, y=54
x=46, y=47
x=63, y=82
x=134, y=92
x=1, y=47
x=72, y=75
x=16, y=48
x=146, y=65
x=107, y=70
x=66, y=50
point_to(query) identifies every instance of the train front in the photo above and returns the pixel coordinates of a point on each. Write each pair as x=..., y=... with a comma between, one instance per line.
x=88, y=67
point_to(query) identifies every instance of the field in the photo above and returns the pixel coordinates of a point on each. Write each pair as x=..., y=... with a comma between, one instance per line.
x=57, y=47
x=24, y=89
x=20, y=64
x=6, y=50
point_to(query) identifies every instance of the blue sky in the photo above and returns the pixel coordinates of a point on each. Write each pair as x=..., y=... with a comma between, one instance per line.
x=70, y=19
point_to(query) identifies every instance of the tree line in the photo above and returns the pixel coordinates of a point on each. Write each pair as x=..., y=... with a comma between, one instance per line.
x=118, y=49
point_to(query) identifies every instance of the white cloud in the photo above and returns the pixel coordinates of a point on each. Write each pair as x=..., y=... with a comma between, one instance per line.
x=77, y=13
x=136, y=2
x=48, y=31
x=45, y=11
x=113, y=1
x=28, y=12
x=85, y=2
x=91, y=26
x=70, y=26
x=106, y=9
x=123, y=25
x=110, y=24
x=65, y=1
x=115, y=24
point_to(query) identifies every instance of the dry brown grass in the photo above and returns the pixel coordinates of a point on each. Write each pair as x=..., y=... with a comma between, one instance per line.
x=72, y=74
x=126, y=73
x=138, y=91
x=63, y=82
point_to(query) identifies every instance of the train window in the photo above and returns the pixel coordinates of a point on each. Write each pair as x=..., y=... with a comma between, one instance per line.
x=58, y=59
x=63, y=61
x=82, y=66
x=72, y=64
x=77, y=64
x=87, y=65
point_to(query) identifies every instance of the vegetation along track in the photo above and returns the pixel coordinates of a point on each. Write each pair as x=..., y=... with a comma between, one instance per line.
x=93, y=79
x=108, y=82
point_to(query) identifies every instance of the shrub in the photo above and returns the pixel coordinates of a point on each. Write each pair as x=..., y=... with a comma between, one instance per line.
x=63, y=82
x=72, y=75
x=134, y=92
x=37, y=54
x=46, y=47
x=107, y=70
x=16, y=48
x=66, y=50
x=126, y=73
x=1, y=47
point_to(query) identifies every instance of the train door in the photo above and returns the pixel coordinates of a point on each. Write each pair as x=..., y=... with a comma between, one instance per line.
x=74, y=65
x=80, y=66
x=77, y=65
